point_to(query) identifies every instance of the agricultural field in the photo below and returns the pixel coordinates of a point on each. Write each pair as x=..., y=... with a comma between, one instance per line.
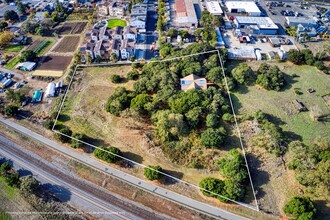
x=41, y=46
x=67, y=44
x=12, y=63
x=58, y=63
x=72, y=28
x=116, y=22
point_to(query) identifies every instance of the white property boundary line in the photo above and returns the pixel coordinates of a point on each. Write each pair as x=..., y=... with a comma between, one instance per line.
x=255, y=208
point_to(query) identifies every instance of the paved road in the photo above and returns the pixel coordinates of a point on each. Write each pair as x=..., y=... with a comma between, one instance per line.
x=82, y=194
x=90, y=161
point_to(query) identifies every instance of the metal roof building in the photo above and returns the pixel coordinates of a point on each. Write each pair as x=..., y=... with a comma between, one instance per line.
x=305, y=22
x=257, y=25
x=214, y=8
x=248, y=7
x=185, y=13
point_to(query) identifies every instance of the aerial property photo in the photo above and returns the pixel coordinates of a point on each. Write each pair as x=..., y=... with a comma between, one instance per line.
x=168, y=109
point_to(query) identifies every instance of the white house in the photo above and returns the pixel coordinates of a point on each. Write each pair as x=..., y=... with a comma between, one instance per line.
x=138, y=23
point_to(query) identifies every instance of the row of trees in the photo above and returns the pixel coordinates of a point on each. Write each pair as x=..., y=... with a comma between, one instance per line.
x=161, y=22
x=234, y=171
x=307, y=57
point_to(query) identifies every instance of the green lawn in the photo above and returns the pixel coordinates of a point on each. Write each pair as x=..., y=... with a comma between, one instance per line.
x=279, y=104
x=116, y=22
x=13, y=48
x=12, y=63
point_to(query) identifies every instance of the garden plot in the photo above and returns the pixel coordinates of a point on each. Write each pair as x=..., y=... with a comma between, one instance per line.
x=68, y=44
x=72, y=28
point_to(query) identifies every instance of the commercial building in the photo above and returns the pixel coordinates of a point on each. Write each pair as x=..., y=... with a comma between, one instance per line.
x=247, y=7
x=214, y=8
x=185, y=13
x=305, y=22
x=256, y=25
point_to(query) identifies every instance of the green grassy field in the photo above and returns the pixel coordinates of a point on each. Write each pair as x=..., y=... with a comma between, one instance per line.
x=12, y=63
x=13, y=48
x=116, y=22
x=279, y=104
x=9, y=191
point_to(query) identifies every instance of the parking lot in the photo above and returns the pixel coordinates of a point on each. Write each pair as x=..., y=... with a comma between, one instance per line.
x=278, y=12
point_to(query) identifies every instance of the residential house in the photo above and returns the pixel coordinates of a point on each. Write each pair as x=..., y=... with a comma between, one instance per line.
x=102, y=41
x=139, y=16
x=193, y=82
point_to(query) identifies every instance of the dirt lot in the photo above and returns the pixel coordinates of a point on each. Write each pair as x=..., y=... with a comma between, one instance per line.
x=67, y=44
x=59, y=63
x=72, y=28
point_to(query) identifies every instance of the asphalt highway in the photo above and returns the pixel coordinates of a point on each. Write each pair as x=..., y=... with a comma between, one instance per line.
x=147, y=186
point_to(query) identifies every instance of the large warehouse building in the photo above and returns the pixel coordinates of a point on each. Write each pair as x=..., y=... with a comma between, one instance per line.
x=248, y=7
x=256, y=25
x=185, y=13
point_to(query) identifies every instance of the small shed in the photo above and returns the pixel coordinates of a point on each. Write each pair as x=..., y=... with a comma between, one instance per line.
x=50, y=91
x=37, y=96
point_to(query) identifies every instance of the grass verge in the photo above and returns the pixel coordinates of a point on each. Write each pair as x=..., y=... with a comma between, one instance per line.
x=8, y=190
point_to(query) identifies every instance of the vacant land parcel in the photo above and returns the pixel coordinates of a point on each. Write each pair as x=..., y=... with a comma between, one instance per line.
x=280, y=104
x=67, y=44
x=72, y=28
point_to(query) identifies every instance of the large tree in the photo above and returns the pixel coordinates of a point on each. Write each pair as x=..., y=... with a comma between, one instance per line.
x=271, y=79
x=10, y=15
x=300, y=207
x=5, y=38
x=212, y=138
x=28, y=55
x=242, y=73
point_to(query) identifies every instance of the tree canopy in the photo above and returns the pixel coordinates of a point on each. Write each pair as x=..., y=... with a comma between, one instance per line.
x=151, y=173
x=10, y=15
x=242, y=73
x=107, y=154
x=270, y=77
x=300, y=207
x=28, y=55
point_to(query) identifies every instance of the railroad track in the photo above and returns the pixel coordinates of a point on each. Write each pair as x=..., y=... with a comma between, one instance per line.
x=84, y=186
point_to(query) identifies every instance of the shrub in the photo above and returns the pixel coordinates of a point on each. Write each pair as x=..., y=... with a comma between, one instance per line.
x=152, y=174
x=300, y=207
x=49, y=124
x=11, y=110
x=228, y=117
x=212, y=120
x=107, y=154
x=76, y=143
x=115, y=78
x=213, y=185
x=66, y=137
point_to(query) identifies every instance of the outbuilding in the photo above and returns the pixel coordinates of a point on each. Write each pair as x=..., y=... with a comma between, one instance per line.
x=37, y=96
x=26, y=66
x=50, y=91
